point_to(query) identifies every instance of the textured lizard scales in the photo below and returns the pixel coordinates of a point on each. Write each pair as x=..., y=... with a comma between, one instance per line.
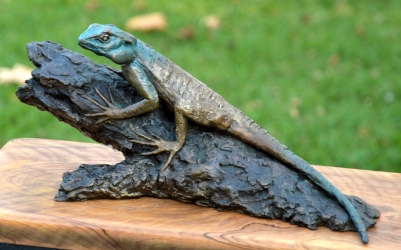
x=155, y=76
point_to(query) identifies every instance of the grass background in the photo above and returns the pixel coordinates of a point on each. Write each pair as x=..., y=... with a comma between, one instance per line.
x=321, y=76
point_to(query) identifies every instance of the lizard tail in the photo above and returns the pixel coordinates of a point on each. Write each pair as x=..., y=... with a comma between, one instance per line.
x=250, y=132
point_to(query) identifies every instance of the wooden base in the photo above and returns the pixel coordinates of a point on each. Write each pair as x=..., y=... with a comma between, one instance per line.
x=31, y=171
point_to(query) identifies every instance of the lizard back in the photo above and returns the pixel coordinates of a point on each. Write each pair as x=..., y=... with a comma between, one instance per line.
x=171, y=80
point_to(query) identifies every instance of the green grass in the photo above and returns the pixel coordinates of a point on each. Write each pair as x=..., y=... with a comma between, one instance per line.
x=321, y=76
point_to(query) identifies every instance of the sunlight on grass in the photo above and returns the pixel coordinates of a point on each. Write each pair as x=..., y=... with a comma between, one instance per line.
x=321, y=76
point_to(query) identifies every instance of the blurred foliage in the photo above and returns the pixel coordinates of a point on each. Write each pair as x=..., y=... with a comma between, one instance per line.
x=321, y=76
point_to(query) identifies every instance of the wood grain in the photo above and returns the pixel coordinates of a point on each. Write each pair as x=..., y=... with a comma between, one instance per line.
x=31, y=171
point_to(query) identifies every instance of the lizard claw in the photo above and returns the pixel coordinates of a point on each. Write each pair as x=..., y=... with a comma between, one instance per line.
x=102, y=120
x=110, y=111
x=161, y=144
x=169, y=160
x=158, y=150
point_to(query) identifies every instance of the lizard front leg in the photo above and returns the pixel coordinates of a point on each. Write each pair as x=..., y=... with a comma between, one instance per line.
x=112, y=112
x=135, y=75
x=163, y=145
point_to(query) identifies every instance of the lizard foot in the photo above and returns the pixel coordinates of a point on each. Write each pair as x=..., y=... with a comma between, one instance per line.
x=110, y=112
x=161, y=144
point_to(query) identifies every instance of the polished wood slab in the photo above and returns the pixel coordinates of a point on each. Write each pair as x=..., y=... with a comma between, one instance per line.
x=31, y=171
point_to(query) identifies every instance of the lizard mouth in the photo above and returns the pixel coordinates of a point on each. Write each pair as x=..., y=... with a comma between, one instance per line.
x=83, y=44
x=89, y=46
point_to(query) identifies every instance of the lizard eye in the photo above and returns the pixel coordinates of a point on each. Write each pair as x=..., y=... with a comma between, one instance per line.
x=104, y=38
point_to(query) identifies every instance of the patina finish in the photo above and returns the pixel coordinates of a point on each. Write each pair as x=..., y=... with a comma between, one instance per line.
x=154, y=76
x=215, y=156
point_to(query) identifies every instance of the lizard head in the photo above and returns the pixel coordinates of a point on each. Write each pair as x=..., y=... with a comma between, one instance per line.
x=109, y=41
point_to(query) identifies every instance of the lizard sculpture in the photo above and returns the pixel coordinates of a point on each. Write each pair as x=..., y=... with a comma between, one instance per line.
x=156, y=77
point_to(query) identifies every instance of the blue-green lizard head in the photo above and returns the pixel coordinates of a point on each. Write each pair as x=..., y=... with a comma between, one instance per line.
x=109, y=41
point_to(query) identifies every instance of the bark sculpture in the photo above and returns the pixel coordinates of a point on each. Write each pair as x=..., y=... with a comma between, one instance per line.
x=212, y=169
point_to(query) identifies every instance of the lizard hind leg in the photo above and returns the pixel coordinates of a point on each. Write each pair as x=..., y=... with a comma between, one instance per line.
x=162, y=145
